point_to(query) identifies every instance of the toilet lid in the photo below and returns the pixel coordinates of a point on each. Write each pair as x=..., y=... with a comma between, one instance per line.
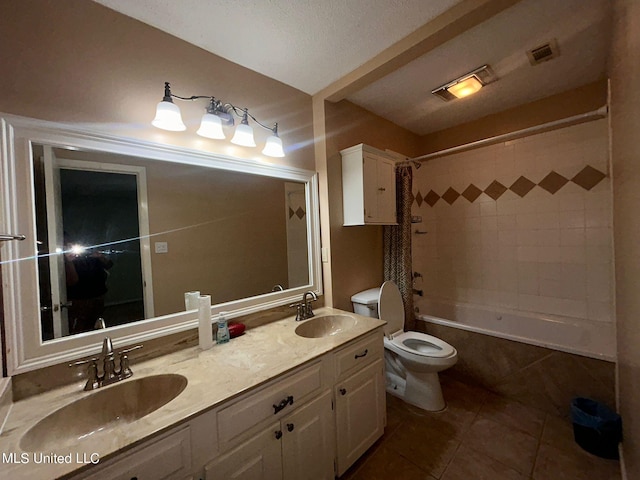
x=391, y=308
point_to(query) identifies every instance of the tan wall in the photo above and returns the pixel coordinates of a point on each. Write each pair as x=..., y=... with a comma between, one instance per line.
x=356, y=252
x=625, y=123
x=77, y=61
x=580, y=100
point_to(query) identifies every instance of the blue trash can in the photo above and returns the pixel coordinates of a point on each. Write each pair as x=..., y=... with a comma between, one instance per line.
x=596, y=428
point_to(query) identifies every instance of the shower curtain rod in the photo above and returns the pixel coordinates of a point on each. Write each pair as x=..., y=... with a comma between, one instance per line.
x=583, y=117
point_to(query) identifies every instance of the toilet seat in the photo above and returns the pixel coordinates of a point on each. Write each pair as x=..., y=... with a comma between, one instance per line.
x=422, y=344
x=417, y=345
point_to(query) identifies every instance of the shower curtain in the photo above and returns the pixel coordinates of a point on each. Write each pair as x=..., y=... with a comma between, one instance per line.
x=397, y=244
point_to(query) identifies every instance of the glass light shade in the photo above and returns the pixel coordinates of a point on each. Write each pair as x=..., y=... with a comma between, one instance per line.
x=273, y=147
x=244, y=136
x=211, y=127
x=168, y=117
x=465, y=88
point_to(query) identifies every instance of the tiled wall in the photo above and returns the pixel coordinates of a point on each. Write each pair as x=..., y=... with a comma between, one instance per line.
x=539, y=377
x=522, y=225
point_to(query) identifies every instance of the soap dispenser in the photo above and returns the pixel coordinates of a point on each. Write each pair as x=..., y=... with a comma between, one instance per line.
x=222, y=336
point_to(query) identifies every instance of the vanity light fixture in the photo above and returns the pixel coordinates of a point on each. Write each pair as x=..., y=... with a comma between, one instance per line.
x=466, y=85
x=217, y=114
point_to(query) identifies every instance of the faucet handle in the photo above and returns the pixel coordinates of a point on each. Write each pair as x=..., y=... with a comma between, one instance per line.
x=84, y=362
x=299, y=310
x=127, y=350
x=125, y=371
x=92, y=373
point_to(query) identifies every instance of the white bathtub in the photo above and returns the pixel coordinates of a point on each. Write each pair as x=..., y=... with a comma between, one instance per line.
x=583, y=337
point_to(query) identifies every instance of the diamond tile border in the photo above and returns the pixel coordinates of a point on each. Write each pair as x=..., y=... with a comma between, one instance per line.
x=586, y=178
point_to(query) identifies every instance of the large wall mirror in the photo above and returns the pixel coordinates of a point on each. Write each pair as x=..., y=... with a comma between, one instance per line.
x=117, y=230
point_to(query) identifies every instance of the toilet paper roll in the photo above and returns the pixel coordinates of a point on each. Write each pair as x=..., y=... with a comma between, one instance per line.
x=191, y=300
x=205, y=332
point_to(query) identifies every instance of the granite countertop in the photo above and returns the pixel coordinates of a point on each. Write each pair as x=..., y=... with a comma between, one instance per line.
x=214, y=376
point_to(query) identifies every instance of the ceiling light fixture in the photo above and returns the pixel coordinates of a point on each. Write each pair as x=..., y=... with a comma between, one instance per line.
x=466, y=85
x=217, y=114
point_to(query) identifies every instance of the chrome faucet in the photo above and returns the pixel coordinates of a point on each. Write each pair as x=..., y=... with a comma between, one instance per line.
x=109, y=373
x=303, y=309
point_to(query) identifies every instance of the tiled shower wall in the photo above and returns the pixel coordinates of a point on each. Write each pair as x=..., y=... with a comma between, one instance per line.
x=523, y=225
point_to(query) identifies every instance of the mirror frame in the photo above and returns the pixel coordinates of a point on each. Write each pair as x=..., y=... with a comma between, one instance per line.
x=24, y=349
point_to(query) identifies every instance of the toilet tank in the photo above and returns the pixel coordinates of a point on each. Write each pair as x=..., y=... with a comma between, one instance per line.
x=366, y=303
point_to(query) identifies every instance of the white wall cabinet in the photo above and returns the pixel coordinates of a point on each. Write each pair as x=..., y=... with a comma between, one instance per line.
x=368, y=186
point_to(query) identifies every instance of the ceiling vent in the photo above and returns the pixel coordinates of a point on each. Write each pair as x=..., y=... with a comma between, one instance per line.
x=543, y=53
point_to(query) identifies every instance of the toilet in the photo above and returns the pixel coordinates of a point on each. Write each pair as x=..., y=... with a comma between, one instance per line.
x=412, y=359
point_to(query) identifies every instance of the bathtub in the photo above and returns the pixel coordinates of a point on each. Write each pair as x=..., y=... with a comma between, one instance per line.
x=572, y=335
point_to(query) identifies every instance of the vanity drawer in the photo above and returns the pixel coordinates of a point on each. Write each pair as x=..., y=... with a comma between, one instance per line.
x=275, y=400
x=359, y=354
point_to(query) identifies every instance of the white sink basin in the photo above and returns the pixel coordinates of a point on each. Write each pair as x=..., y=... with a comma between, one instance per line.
x=109, y=407
x=325, y=326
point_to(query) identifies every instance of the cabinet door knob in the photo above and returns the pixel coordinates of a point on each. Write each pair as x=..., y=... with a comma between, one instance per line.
x=290, y=427
x=343, y=391
x=278, y=434
x=382, y=189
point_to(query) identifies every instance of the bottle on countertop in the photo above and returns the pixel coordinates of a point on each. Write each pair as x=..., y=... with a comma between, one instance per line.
x=222, y=336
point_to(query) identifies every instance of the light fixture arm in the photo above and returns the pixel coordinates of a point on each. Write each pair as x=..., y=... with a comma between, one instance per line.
x=218, y=113
x=216, y=107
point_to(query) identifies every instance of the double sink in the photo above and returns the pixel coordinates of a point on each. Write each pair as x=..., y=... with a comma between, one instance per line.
x=126, y=402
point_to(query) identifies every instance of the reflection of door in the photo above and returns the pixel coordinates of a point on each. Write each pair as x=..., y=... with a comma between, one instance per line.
x=297, y=245
x=101, y=210
x=56, y=244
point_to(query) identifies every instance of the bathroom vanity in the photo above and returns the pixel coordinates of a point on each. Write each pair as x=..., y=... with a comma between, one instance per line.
x=269, y=404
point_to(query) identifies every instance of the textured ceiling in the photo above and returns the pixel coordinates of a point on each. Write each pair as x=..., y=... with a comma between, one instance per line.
x=306, y=44
x=581, y=28
x=310, y=44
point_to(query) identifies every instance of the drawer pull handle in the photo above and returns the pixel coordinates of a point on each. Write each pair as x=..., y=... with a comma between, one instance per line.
x=278, y=434
x=360, y=355
x=282, y=404
x=343, y=391
x=290, y=427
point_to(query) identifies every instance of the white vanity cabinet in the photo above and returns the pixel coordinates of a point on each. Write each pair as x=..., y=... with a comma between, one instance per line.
x=299, y=447
x=368, y=186
x=360, y=399
x=283, y=431
x=309, y=424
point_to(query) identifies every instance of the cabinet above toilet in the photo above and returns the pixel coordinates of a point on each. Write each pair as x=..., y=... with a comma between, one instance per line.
x=368, y=186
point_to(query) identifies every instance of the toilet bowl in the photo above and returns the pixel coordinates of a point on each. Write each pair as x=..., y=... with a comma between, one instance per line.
x=412, y=359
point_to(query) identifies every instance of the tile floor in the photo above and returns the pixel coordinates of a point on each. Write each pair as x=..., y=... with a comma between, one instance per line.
x=479, y=436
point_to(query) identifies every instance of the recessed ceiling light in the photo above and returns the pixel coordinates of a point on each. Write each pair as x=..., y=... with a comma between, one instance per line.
x=466, y=85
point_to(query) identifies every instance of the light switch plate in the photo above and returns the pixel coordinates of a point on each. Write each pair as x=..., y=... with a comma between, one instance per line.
x=161, y=247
